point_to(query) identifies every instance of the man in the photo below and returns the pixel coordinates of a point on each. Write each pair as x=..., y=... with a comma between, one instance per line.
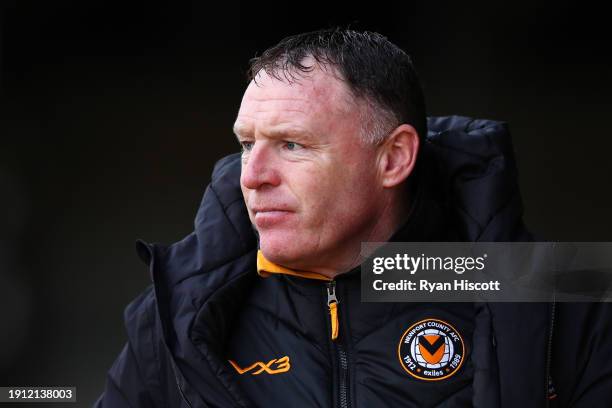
x=260, y=305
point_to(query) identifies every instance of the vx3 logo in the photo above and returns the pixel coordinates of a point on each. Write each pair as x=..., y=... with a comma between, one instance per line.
x=274, y=366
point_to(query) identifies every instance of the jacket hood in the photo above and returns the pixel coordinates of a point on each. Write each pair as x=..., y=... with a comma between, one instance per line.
x=469, y=167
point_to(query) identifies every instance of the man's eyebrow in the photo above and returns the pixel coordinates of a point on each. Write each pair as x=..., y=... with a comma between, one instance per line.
x=288, y=132
x=239, y=130
x=282, y=132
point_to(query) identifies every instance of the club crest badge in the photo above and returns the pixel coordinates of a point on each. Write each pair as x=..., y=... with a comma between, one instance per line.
x=431, y=350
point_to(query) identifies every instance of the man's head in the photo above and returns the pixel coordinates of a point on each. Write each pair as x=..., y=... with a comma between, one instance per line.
x=330, y=126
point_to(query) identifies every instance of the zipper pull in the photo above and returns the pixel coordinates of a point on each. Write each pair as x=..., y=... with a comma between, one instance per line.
x=332, y=303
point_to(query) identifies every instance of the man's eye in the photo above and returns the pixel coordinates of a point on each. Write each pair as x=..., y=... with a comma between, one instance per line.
x=293, y=146
x=246, y=146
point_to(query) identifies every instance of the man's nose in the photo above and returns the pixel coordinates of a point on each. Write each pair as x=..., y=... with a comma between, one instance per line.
x=259, y=167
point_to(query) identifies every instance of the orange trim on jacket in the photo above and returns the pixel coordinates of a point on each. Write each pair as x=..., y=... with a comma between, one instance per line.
x=266, y=268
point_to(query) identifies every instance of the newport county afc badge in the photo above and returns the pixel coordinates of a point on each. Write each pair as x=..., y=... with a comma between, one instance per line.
x=431, y=350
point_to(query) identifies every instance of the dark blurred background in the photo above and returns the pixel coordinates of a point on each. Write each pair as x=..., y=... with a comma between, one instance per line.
x=113, y=114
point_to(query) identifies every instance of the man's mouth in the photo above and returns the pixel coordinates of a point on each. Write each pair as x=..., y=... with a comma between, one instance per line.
x=268, y=217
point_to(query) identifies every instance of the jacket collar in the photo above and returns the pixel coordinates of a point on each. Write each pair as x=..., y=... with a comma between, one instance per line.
x=265, y=268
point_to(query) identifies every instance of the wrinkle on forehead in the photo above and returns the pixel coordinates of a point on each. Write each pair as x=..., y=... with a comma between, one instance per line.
x=318, y=86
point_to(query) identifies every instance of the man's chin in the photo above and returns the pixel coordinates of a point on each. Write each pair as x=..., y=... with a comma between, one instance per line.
x=282, y=251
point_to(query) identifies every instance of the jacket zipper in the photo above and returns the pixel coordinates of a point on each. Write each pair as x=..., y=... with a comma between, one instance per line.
x=342, y=362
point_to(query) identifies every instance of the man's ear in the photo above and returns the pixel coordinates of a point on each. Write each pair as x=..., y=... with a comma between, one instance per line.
x=397, y=155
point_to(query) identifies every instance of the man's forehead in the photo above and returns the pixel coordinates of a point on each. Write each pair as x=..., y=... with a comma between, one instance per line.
x=318, y=102
x=317, y=90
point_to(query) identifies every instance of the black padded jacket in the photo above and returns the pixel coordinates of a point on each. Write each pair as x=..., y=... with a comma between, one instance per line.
x=207, y=306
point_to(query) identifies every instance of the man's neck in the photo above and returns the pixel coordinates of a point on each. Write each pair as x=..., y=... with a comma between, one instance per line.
x=392, y=218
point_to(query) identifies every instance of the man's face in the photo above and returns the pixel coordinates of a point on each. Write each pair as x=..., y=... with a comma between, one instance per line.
x=309, y=182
